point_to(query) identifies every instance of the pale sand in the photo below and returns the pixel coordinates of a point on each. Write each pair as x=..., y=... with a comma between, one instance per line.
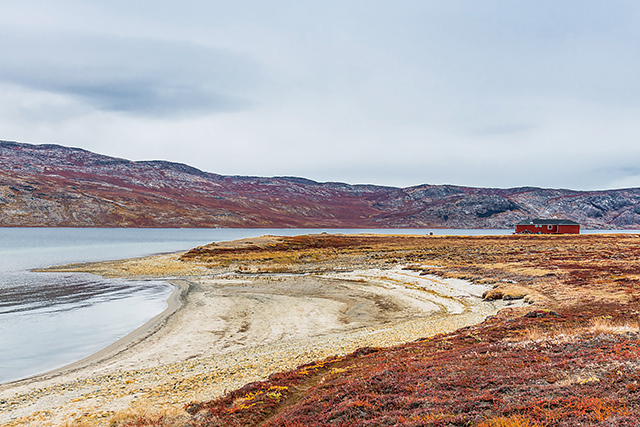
x=224, y=331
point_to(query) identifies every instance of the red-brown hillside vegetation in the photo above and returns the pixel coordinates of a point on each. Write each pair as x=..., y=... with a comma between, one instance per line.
x=56, y=186
x=572, y=358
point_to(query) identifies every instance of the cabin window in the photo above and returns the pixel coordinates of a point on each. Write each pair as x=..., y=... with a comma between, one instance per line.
x=550, y=227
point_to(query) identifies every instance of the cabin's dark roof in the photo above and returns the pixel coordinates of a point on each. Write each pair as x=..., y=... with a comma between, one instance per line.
x=538, y=221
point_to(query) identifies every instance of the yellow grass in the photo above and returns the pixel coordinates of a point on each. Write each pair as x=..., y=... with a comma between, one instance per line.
x=598, y=326
x=159, y=417
x=513, y=421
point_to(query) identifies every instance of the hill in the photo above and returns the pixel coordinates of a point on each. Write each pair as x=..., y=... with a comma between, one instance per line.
x=52, y=185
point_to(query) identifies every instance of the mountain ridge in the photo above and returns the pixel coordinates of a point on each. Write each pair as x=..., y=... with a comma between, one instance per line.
x=54, y=185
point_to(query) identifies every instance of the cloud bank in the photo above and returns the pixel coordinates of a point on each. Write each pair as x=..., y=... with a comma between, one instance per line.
x=480, y=93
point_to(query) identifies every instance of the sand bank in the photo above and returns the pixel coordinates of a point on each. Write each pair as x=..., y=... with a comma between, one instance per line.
x=223, y=331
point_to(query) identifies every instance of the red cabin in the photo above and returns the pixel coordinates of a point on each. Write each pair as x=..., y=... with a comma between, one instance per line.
x=548, y=226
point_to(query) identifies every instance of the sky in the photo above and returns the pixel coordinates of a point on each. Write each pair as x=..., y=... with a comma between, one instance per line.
x=480, y=93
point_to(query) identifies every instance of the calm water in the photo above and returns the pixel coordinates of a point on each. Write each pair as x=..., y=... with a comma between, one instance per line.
x=48, y=320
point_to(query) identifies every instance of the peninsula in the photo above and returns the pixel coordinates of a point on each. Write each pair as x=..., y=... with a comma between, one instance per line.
x=366, y=329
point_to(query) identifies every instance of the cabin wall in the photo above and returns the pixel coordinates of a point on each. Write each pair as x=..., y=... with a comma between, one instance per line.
x=548, y=229
x=537, y=229
x=569, y=229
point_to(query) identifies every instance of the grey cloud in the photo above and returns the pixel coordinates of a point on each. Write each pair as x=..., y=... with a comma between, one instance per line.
x=617, y=172
x=156, y=99
x=138, y=76
x=397, y=93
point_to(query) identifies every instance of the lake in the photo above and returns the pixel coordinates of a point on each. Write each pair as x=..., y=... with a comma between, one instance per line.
x=48, y=320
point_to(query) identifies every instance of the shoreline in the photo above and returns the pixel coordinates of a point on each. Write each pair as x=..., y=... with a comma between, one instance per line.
x=218, y=334
x=175, y=302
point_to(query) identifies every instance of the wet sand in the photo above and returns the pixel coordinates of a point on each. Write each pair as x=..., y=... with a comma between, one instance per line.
x=222, y=331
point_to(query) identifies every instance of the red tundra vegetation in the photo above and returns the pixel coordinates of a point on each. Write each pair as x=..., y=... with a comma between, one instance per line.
x=570, y=358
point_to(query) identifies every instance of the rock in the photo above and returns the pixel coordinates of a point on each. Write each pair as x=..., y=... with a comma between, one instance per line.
x=541, y=313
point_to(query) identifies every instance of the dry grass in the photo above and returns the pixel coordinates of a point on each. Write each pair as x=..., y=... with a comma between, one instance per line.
x=564, y=333
x=513, y=421
x=152, y=266
x=133, y=417
x=607, y=326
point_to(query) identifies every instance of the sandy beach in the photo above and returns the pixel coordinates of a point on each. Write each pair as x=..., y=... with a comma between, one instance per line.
x=222, y=330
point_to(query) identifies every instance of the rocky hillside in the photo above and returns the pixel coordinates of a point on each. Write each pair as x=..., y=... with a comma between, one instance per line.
x=51, y=185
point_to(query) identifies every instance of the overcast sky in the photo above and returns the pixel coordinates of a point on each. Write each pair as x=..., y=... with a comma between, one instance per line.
x=477, y=92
